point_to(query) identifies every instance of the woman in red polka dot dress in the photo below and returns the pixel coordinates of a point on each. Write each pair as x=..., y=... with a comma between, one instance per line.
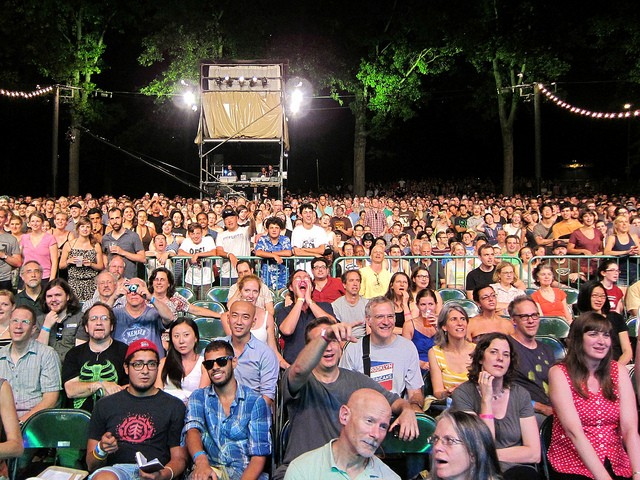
x=590, y=437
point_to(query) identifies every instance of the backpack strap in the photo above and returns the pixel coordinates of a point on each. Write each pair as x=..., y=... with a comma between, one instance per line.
x=366, y=359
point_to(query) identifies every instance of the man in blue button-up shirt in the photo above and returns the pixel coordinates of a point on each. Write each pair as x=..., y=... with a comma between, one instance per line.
x=227, y=424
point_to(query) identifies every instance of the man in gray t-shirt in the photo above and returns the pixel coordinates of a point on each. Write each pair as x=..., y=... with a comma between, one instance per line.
x=350, y=307
x=314, y=388
x=10, y=256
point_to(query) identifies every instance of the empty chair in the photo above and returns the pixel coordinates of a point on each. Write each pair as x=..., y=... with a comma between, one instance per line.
x=553, y=326
x=559, y=351
x=572, y=295
x=57, y=428
x=186, y=293
x=393, y=445
x=218, y=294
x=469, y=306
x=452, y=294
x=210, y=328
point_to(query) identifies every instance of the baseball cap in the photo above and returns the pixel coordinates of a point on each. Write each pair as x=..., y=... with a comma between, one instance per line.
x=229, y=212
x=141, y=344
x=75, y=205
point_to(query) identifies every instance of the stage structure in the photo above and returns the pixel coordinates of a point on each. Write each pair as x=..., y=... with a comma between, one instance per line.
x=242, y=102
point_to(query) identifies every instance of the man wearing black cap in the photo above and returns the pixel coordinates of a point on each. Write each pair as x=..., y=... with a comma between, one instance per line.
x=141, y=418
x=232, y=243
x=75, y=209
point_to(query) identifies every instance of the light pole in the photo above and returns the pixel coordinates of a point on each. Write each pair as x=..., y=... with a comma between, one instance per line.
x=627, y=107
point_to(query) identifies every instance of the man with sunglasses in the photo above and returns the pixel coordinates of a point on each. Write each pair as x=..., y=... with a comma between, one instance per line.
x=96, y=368
x=31, y=368
x=141, y=418
x=227, y=424
x=534, y=357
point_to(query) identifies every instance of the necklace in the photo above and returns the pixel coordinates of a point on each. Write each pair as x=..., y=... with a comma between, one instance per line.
x=495, y=396
x=498, y=395
x=4, y=331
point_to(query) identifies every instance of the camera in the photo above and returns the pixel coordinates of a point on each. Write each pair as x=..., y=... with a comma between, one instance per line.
x=133, y=288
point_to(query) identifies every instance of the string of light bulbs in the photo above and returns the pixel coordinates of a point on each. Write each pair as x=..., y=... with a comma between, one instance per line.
x=38, y=92
x=627, y=113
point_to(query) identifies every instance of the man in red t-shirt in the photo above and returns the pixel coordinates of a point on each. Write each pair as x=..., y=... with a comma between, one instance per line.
x=327, y=289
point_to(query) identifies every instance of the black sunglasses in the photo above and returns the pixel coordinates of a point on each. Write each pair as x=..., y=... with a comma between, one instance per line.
x=221, y=361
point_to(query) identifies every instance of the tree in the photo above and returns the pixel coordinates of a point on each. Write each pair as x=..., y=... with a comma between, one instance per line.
x=65, y=41
x=180, y=40
x=372, y=57
x=510, y=44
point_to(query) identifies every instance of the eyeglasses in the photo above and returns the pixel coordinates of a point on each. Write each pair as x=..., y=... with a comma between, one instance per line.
x=422, y=277
x=527, y=316
x=617, y=270
x=94, y=318
x=486, y=297
x=23, y=322
x=139, y=365
x=447, y=441
x=32, y=271
x=320, y=267
x=382, y=316
x=220, y=361
x=598, y=295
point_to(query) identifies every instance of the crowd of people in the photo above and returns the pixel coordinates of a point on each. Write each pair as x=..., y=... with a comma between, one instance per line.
x=98, y=298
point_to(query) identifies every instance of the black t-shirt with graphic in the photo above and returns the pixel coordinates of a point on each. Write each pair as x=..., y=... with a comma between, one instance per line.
x=89, y=366
x=150, y=425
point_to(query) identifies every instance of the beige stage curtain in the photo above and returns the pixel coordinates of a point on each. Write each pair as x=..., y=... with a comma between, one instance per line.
x=242, y=115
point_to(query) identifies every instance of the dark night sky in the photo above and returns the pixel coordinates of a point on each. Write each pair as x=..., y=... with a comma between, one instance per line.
x=446, y=139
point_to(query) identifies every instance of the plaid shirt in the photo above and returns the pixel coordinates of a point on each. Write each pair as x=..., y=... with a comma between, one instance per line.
x=377, y=221
x=231, y=441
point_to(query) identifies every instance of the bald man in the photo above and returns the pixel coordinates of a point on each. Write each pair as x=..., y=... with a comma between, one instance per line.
x=365, y=420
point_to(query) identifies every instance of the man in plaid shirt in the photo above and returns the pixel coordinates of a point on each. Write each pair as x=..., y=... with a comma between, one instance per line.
x=227, y=424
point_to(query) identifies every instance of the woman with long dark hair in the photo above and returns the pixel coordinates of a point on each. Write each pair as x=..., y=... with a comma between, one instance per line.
x=593, y=298
x=181, y=371
x=422, y=329
x=504, y=406
x=399, y=293
x=591, y=438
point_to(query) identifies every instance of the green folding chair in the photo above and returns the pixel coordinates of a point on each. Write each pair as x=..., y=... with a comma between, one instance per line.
x=186, y=293
x=394, y=445
x=218, y=294
x=632, y=325
x=452, y=294
x=469, y=306
x=559, y=351
x=212, y=305
x=53, y=428
x=210, y=328
x=572, y=295
x=553, y=326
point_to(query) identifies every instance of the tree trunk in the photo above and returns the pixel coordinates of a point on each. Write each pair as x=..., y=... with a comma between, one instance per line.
x=507, y=153
x=507, y=106
x=359, y=148
x=74, y=162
